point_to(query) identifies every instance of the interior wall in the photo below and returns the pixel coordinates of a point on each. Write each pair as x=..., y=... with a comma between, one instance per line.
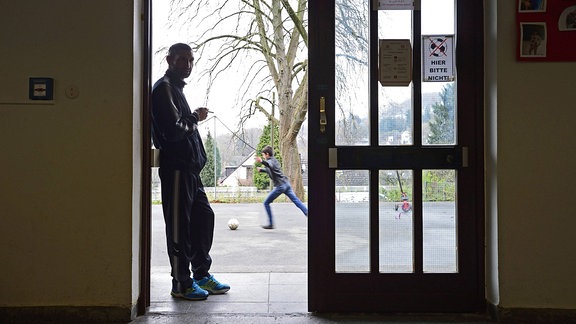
x=536, y=141
x=66, y=200
x=68, y=205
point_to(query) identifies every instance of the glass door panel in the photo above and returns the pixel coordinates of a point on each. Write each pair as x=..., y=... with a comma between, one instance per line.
x=440, y=235
x=352, y=221
x=438, y=98
x=439, y=113
x=395, y=105
x=438, y=17
x=395, y=221
x=351, y=122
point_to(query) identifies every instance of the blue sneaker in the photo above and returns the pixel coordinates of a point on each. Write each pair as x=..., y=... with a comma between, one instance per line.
x=212, y=285
x=192, y=293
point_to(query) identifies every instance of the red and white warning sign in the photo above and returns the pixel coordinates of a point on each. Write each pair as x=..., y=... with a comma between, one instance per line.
x=438, y=58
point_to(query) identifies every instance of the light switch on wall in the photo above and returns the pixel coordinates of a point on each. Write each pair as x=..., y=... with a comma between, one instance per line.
x=41, y=89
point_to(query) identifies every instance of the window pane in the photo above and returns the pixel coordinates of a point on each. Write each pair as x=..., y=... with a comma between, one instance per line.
x=438, y=113
x=352, y=221
x=438, y=17
x=396, y=222
x=438, y=98
x=439, y=221
x=395, y=102
x=352, y=80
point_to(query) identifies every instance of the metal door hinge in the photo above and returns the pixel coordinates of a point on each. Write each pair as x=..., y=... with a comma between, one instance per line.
x=333, y=158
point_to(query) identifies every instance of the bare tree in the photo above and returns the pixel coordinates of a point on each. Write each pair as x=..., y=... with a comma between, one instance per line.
x=268, y=38
x=266, y=41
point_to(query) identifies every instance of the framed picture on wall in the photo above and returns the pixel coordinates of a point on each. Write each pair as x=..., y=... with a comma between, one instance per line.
x=531, y=5
x=533, y=39
x=567, y=20
x=546, y=31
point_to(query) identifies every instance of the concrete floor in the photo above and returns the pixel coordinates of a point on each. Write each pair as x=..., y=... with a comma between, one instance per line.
x=266, y=270
x=272, y=297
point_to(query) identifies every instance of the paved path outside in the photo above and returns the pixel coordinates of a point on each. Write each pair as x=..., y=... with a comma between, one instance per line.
x=250, y=248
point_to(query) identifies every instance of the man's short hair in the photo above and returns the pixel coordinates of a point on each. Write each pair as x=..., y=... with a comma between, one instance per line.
x=268, y=150
x=178, y=47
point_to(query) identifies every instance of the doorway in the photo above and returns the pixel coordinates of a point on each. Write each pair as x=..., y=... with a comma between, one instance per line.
x=397, y=210
x=365, y=252
x=256, y=287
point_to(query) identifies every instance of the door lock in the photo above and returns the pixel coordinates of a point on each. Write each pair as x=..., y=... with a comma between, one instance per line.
x=322, y=114
x=465, y=157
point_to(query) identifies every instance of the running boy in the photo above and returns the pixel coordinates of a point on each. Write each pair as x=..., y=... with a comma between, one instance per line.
x=281, y=184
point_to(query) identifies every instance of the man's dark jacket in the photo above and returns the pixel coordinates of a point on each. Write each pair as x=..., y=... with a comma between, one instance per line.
x=175, y=126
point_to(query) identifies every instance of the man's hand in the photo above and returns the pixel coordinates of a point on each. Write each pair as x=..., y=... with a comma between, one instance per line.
x=202, y=113
x=258, y=159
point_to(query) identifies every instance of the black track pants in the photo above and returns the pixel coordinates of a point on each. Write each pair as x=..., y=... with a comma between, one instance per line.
x=189, y=226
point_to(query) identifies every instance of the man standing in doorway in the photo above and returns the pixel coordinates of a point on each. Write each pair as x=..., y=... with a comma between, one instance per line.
x=281, y=184
x=187, y=212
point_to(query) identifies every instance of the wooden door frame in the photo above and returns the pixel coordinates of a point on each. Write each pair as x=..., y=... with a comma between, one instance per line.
x=470, y=66
x=321, y=89
x=143, y=301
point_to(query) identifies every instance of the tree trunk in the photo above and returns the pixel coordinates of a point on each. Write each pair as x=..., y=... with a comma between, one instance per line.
x=290, y=123
x=292, y=166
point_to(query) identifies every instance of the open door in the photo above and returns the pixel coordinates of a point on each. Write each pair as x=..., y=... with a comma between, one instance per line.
x=145, y=205
x=396, y=174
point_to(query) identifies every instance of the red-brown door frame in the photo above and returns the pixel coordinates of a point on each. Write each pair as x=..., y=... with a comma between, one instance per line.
x=323, y=296
x=145, y=225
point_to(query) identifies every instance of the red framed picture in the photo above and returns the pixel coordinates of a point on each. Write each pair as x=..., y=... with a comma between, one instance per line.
x=546, y=30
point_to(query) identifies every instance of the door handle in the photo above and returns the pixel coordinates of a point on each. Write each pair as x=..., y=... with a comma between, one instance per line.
x=322, y=114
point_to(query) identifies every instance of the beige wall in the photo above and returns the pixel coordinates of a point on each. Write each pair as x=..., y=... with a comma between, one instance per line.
x=68, y=206
x=67, y=202
x=536, y=115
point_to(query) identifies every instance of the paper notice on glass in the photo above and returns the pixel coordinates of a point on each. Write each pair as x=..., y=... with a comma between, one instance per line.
x=438, y=58
x=395, y=66
x=393, y=4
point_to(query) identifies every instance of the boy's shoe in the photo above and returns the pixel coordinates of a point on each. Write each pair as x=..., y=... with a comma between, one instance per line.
x=212, y=285
x=192, y=293
x=268, y=226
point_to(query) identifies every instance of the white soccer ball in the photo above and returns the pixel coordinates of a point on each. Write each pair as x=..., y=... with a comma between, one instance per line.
x=233, y=223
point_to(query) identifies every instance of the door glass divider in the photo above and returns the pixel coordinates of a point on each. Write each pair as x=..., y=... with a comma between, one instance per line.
x=417, y=219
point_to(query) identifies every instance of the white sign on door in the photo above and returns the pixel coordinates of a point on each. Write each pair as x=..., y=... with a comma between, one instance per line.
x=438, y=58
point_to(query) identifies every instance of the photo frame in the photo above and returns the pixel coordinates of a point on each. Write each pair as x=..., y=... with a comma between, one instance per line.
x=531, y=5
x=567, y=19
x=533, y=39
